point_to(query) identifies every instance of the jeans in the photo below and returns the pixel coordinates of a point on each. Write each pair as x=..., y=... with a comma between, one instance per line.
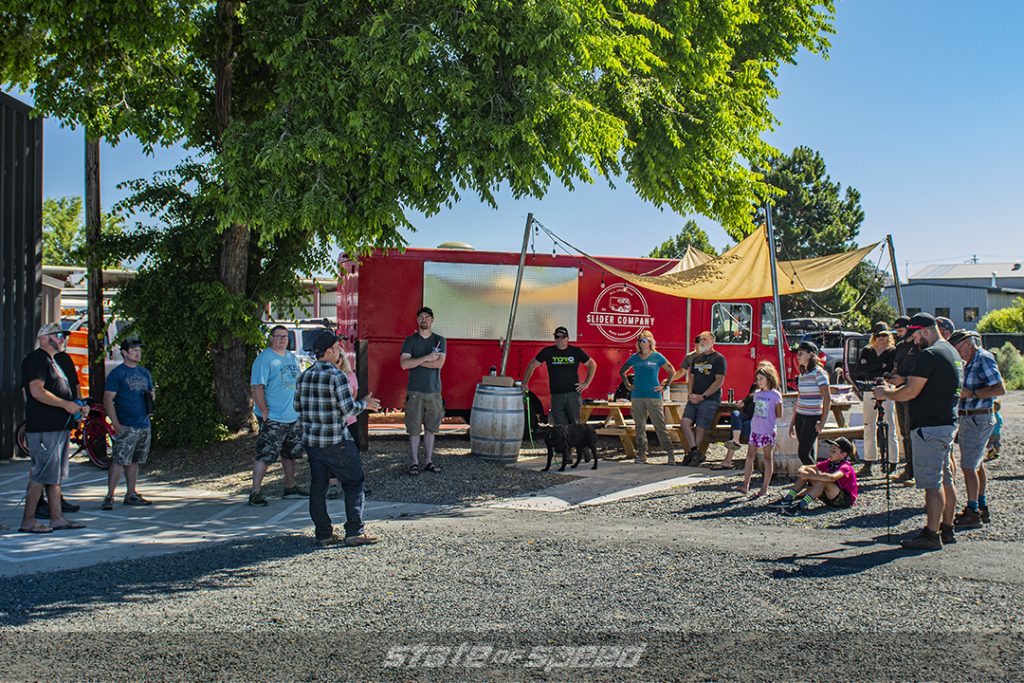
x=741, y=422
x=806, y=435
x=342, y=459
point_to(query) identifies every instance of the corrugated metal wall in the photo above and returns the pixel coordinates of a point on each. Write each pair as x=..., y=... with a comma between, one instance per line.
x=21, y=231
x=928, y=297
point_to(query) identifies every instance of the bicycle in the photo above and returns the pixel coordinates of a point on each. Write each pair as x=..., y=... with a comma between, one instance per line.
x=94, y=434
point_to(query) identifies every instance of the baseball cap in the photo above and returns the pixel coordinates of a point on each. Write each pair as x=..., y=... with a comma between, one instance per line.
x=425, y=309
x=324, y=341
x=131, y=343
x=561, y=330
x=901, y=321
x=880, y=326
x=919, y=322
x=808, y=346
x=843, y=444
x=945, y=324
x=962, y=334
x=50, y=328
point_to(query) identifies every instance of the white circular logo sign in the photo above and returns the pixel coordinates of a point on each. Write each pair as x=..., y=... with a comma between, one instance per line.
x=620, y=313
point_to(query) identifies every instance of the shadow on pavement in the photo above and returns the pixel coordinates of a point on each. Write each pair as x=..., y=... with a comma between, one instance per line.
x=827, y=565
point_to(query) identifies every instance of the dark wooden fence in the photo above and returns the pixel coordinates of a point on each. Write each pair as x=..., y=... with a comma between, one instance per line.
x=21, y=230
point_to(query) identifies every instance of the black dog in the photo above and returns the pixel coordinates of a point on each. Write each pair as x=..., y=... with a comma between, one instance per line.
x=563, y=438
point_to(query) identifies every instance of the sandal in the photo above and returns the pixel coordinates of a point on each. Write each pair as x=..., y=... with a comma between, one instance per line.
x=431, y=467
x=414, y=470
x=69, y=525
x=35, y=529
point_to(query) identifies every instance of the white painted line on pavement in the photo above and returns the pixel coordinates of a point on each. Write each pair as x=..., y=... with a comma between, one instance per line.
x=286, y=512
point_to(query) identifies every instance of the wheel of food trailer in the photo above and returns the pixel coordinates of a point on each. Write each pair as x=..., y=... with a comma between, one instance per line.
x=496, y=423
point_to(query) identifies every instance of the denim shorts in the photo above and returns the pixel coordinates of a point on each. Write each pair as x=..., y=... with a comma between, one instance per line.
x=702, y=414
x=973, y=437
x=933, y=448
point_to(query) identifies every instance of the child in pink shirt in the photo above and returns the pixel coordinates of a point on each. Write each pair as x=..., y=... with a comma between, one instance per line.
x=831, y=480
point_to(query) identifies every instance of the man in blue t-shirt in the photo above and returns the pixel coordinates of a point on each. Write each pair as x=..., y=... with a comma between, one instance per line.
x=273, y=390
x=128, y=400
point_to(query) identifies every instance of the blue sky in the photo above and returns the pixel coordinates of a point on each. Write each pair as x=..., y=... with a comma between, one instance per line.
x=919, y=106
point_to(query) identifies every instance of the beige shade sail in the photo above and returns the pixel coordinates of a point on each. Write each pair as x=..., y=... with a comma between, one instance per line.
x=744, y=272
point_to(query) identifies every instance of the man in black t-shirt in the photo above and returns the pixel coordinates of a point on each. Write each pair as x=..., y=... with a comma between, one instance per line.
x=563, y=362
x=932, y=390
x=62, y=359
x=904, y=355
x=49, y=412
x=707, y=374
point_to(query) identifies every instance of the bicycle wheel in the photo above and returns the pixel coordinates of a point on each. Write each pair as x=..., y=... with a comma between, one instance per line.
x=97, y=442
x=22, y=437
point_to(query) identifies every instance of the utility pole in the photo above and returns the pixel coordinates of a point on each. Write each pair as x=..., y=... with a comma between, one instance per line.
x=515, y=295
x=94, y=269
x=895, y=276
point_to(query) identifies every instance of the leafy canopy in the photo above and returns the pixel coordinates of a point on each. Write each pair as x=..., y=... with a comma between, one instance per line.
x=1009, y=319
x=64, y=233
x=690, y=236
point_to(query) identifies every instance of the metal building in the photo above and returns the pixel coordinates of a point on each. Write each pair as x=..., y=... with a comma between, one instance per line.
x=962, y=292
x=21, y=234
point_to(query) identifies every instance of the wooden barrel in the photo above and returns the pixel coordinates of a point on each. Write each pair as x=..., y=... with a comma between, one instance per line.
x=496, y=423
x=679, y=391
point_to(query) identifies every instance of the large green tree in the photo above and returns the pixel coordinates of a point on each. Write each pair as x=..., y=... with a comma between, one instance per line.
x=324, y=122
x=690, y=236
x=64, y=232
x=814, y=217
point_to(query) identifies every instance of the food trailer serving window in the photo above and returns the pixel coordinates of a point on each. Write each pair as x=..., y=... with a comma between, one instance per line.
x=472, y=300
x=730, y=323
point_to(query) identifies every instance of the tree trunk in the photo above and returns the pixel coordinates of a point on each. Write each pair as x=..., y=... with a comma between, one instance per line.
x=230, y=374
x=94, y=271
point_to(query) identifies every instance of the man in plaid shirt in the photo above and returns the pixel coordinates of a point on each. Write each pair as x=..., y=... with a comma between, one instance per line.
x=982, y=384
x=323, y=400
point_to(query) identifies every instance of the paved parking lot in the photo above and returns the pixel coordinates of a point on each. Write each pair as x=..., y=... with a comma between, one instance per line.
x=179, y=519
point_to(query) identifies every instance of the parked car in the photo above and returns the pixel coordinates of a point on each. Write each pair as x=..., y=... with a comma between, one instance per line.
x=832, y=344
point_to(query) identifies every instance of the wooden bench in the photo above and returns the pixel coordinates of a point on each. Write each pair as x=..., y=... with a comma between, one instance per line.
x=627, y=435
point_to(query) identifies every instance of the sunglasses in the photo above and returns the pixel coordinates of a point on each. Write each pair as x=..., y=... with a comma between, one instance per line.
x=643, y=341
x=561, y=336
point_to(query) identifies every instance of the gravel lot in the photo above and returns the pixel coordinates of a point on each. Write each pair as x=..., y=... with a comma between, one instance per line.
x=709, y=590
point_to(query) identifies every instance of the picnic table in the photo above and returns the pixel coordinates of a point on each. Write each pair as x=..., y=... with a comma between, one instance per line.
x=616, y=424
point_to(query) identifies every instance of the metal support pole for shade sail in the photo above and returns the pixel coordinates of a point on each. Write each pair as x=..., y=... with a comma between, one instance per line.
x=895, y=275
x=515, y=294
x=780, y=337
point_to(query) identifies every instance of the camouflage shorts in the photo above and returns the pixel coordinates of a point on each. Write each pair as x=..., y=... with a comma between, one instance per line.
x=279, y=439
x=131, y=445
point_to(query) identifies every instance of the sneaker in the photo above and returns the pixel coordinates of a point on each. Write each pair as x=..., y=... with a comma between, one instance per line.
x=697, y=459
x=135, y=499
x=640, y=459
x=295, y=492
x=986, y=518
x=784, y=502
x=329, y=541
x=865, y=471
x=361, y=539
x=946, y=534
x=43, y=510
x=65, y=506
x=688, y=459
x=992, y=454
x=108, y=503
x=903, y=477
x=332, y=493
x=909, y=481
x=256, y=499
x=968, y=519
x=926, y=540
x=732, y=445
x=794, y=509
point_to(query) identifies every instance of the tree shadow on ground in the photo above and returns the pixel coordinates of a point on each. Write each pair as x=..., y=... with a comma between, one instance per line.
x=827, y=564
x=75, y=592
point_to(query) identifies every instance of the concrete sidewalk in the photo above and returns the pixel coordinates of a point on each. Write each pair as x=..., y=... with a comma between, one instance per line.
x=611, y=481
x=179, y=519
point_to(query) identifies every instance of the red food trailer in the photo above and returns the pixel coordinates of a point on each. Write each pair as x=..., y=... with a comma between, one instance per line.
x=470, y=293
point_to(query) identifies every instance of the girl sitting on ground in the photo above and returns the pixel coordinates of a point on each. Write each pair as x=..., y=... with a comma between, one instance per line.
x=767, y=410
x=832, y=480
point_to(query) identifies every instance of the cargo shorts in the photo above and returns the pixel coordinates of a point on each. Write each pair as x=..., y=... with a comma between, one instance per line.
x=933, y=461
x=279, y=440
x=49, y=453
x=423, y=409
x=972, y=435
x=131, y=445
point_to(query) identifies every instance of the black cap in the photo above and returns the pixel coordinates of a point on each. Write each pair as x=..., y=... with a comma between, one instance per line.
x=425, y=309
x=919, y=322
x=843, y=444
x=131, y=343
x=324, y=341
x=561, y=330
x=808, y=346
x=962, y=334
x=901, y=321
x=880, y=326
